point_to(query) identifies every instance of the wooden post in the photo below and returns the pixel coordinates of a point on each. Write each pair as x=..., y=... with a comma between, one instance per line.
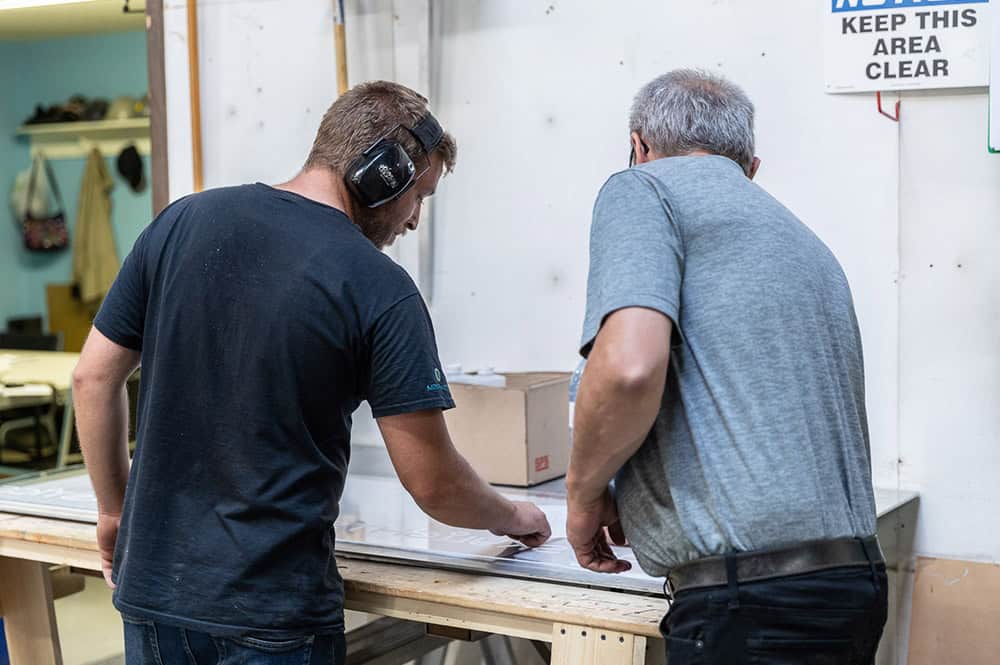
x=157, y=105
x=194, y=82
x=29, y=619
x=340, y=45
x=584, y=645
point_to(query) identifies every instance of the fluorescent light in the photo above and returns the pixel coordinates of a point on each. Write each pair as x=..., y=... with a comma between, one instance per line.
x=23, y=4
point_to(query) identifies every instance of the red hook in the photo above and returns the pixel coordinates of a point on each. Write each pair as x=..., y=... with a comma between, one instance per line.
x=878, y=98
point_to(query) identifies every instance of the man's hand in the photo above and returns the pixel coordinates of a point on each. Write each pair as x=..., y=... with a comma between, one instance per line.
x=107, y=535
x=591, y=528
x=528, y=525
x=620, y=394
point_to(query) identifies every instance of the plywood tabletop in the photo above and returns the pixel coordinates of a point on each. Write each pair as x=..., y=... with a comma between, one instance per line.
x=74, y=543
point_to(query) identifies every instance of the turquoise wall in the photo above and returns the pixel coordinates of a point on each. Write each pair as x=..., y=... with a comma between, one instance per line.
x=47, y=72
x=9, y=277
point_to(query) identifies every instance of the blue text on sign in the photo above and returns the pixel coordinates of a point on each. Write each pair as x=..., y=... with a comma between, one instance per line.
x=869, y=5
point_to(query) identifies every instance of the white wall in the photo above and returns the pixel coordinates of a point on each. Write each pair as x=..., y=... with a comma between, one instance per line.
x=537, y=95
x=949, y=341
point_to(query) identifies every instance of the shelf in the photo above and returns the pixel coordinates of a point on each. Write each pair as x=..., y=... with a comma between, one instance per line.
x=68, y=140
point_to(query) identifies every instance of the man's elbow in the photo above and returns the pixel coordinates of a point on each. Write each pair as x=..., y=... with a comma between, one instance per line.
x=636, y=376
x=88, y=379
x=427, y=491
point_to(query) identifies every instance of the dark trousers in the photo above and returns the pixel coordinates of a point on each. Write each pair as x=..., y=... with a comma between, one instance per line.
x=830, y=617
x=153, y=643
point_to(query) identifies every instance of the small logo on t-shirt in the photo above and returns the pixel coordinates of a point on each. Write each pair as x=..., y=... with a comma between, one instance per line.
x=437, y=386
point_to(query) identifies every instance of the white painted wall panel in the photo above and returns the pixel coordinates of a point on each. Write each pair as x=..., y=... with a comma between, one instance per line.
x=267, y=77
x=538, y=97
x=950, y=324
x=537, y=94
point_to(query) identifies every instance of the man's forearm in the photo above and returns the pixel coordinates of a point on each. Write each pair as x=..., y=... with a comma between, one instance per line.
x=438, y=478
x=619, y=396
x=611, y=422
x=102, y=425
x=462, y=498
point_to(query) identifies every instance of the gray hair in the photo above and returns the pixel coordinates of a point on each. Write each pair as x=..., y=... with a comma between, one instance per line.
x=686, y=110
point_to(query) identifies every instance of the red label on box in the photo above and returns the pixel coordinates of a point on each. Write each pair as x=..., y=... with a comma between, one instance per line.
x=541, y=463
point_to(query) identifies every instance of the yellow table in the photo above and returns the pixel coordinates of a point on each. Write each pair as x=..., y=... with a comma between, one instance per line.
x=52, y=367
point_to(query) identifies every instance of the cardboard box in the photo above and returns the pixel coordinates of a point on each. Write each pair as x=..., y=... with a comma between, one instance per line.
x=517, y=435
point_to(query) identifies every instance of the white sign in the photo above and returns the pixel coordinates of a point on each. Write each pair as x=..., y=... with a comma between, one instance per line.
x=906, y=44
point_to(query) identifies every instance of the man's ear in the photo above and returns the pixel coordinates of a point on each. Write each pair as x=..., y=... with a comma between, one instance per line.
x=639, y=148
x=754, y=165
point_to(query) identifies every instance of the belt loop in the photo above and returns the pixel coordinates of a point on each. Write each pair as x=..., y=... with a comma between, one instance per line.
x=871, y=562
x=734, y=589
x=668, y=589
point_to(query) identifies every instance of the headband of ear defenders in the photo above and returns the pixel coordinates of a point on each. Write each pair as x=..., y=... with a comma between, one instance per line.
x=385, y=170
x=428, y=132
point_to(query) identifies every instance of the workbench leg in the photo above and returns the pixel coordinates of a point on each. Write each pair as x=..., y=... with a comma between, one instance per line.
x=583, y=645
x=28, y=614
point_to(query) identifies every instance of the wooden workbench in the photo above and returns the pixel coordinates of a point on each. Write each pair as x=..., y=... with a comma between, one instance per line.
x=584, y=626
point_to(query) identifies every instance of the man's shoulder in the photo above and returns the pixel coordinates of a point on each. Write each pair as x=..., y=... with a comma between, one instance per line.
x=351, y=259
x=219, y=196
x=671, y=176
x=385, y=273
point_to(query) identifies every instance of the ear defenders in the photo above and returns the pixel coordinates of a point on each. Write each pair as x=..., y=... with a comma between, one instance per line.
x=385, y=171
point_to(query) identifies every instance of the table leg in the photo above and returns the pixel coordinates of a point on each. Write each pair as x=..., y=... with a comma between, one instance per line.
x=584, y=645
x=28, y=614
x=38, y=432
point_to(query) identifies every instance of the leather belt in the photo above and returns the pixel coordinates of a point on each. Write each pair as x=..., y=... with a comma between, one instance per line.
x=794, y=560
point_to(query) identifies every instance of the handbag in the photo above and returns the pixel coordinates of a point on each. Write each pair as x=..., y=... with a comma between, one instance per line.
x=49, y=233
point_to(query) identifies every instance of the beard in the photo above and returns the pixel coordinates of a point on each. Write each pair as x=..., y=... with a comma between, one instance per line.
x=380, y=224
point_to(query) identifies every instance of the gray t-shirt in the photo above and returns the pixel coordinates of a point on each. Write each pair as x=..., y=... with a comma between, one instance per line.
x=762, y=438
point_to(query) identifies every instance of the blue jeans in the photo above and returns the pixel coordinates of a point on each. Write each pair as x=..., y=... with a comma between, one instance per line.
x=152, y=643
x=831, y=617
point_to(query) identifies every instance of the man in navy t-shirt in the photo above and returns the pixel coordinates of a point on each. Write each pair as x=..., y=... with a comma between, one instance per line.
x=263, y=316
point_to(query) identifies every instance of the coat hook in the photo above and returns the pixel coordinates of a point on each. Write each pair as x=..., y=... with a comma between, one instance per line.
x=878, y=99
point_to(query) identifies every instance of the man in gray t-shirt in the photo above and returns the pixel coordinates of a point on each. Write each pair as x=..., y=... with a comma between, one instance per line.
x=725, y=384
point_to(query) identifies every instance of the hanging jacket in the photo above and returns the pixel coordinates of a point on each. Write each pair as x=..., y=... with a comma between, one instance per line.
x=95, y=260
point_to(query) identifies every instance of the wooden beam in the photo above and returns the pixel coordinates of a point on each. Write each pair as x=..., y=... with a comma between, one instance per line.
x=449, y=615
x=46, y=553
x=520, y=602
x=155, y=64
x=30, y=620
x=340, y=45
x=586, y=645
x=194, y=84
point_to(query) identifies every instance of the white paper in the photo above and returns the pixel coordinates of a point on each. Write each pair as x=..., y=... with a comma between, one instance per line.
x=26, y=390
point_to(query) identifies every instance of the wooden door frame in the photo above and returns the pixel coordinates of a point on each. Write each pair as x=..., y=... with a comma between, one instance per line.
x=156, y=73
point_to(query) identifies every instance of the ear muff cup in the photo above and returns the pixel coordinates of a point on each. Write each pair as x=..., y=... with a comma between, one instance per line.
x=384, y=172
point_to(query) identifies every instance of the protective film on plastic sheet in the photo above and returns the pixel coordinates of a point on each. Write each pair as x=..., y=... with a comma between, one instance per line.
x=379, y=521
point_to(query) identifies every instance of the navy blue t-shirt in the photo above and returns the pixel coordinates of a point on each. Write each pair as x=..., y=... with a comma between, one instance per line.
x=264, y=319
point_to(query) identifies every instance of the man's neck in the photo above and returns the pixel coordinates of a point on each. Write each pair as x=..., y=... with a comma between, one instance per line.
x=322, y=186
